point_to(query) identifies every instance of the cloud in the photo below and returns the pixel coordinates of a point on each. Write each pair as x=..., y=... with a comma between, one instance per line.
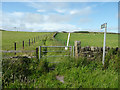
x=36, y=22
x=56, y=16
x=41, y=10
x=60, y=7
x=33, y=18
x=74, y=11
x=83, y=11
x=52, y=27
x=61, y=10
x=18, y=14
x=48, y=6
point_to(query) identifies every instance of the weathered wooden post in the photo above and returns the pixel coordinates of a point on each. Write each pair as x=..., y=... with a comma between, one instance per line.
x=73, y=51
x=23, y=44
x=29, y=42
x=77, y=48
x=34, y=39
x=37, y=53
x=15, y=47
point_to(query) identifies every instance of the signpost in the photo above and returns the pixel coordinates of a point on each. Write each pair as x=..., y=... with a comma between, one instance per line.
x=67, y=41
x=104, y=26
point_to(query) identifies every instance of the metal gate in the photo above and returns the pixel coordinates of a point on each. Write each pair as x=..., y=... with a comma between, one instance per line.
x=56, y=51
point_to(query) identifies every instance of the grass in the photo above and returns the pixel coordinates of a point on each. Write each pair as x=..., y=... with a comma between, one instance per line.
x=9, y=37
x=89, y=39
x=78, y=73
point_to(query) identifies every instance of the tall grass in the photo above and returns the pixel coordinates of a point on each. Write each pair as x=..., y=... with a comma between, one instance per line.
x=78, y=73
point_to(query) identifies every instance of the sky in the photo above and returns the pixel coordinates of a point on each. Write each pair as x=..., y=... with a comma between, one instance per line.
x=59, y=16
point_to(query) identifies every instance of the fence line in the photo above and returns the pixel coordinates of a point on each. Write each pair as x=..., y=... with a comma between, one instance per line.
x=10, y=57
x=25, y=43
x=14, y=51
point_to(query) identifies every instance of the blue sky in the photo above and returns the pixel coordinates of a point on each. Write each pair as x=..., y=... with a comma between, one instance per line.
x=66, y=16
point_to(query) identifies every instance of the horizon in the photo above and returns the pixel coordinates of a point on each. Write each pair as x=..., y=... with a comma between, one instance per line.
x=66, y=31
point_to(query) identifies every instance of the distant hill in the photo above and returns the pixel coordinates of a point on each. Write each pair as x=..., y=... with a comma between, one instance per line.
x=94, y=32
x=81, y=32
x=2, y=30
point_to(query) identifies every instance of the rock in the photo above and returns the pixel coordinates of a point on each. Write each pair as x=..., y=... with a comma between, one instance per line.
x=87, y=48
x=60, y=78
x=92, y=48
x=82, y=49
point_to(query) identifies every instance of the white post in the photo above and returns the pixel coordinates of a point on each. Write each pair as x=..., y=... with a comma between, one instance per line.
x=104, y=43
x=67, y=41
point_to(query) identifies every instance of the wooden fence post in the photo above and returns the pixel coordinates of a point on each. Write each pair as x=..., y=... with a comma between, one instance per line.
x=15, y=47
x=29, y=42
x=73, y=51
x=77, y=48
x=37, y=53
x=34, y=39
x=23, y=44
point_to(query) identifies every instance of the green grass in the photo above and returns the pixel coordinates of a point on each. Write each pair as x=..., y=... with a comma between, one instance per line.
x=9, y=37
x=89, y=39
x=78, y=73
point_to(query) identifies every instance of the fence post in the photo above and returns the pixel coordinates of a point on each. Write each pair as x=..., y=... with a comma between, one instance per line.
x=23, y=44
x=15, y=47
x=77, y=48
x=34, y=39
x=37, y=53
x=73, y=51
x=29, y=42
x=70, y=50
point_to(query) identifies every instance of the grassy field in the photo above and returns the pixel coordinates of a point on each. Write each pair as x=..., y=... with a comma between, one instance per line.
x=77, y=73
x=89, y=39
x=9, y=37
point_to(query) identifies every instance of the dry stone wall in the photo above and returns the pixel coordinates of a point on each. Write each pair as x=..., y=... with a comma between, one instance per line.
x=90, y=52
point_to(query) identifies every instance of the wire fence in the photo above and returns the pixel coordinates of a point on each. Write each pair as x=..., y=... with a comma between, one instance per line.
x=27, y=48
x=16, y=54
x=24, y=43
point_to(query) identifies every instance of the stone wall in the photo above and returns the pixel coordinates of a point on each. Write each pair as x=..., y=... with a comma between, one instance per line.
x=90, y=52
